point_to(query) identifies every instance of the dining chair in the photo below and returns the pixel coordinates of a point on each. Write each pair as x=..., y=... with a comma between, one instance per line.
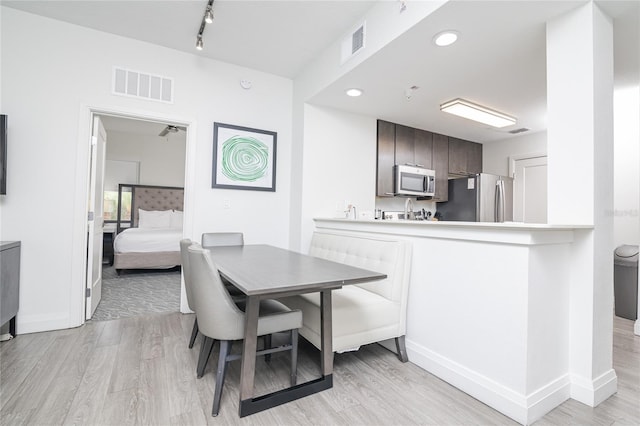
x=215, y=239
x=186, y=271
x=218, y=239
x=219, y=318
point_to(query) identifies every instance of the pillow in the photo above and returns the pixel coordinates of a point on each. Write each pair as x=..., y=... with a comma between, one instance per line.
x=154, y=219
x=176, y=219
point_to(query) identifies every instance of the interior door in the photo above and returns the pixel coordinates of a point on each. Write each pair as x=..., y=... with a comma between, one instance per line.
x=95, y=221
x=530, y=190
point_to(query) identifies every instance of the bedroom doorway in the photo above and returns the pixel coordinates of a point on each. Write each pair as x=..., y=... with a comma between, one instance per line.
x=138, y=150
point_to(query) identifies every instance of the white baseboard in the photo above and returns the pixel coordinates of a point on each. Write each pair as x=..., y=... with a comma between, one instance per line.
x=636, y=327
x=525, y=409
x=37, y=323
x=593, y=392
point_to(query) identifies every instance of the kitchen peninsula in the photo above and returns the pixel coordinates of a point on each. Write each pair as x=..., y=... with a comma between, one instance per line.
x=489, y=307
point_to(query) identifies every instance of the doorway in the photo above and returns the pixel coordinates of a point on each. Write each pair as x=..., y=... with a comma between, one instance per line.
x=138, y=150
x=529, y=174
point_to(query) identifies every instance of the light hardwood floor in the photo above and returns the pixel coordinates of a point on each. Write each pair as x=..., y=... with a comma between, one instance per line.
x=140, y=371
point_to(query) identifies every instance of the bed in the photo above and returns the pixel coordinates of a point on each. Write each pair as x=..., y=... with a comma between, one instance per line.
x=150, y=238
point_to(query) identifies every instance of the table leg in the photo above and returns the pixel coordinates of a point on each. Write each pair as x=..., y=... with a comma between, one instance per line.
x=250, y=404
x=248, y=368
x=326, y=333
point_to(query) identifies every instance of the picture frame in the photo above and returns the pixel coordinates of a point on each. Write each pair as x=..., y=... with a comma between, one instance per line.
x=243, y=158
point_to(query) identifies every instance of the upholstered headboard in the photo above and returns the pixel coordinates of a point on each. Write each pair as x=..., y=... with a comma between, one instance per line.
x=151, y=198
x=155, y=198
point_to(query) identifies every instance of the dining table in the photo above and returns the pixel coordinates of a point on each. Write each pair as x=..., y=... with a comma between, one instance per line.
x=267, y=272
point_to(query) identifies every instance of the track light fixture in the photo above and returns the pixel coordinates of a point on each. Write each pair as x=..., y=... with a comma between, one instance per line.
x=207, y=18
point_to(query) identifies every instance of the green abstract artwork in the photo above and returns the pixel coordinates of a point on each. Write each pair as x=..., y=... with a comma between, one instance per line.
x=243, y=158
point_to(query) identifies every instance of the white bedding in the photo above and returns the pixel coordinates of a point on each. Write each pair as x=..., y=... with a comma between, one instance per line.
x=148, y=240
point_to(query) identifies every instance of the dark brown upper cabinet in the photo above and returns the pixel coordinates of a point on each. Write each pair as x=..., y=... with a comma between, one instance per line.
x=398, y=144
x=386, y=158
x=440, y=164
x=465, y=157
x=413, y=146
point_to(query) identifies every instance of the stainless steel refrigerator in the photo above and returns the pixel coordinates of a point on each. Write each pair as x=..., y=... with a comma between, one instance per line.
x=479, y=198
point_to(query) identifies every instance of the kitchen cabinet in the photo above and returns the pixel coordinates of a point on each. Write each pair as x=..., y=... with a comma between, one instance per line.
x=440, y=163
x=413, y=146
x=398, y=144
x=465, y=157
x=386, y=158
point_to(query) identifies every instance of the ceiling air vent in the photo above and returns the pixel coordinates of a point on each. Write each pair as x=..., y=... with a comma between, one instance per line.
x=142, y=85
x=353, y=43
x=520, y=130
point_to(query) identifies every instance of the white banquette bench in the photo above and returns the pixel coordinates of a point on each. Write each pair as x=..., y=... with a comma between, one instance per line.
x=361, y=313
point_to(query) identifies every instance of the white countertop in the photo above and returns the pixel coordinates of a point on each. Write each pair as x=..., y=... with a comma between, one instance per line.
x=479, y=225
x=506, y=232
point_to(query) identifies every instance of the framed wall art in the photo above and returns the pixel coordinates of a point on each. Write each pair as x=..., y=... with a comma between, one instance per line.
x=243, y=158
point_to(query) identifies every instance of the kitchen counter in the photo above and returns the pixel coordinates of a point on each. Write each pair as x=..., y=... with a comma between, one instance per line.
x=513, y=232
x=489, y=307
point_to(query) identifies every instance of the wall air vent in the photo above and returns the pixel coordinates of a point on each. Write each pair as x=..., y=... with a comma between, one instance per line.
x=520, y=130
x=354, y=42
x=142, y=85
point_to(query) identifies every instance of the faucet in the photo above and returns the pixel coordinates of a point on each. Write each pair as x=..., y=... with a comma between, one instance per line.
x=408, y=209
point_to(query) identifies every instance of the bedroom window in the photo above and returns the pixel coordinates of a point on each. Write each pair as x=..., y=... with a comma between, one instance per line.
x=119, y=172
x=111, y=206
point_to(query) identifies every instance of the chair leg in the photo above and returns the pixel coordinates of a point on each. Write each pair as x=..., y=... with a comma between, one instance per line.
x=267, y=345
x=205, y=352
x=401, y=349
x=225, y=349
x=194, y=333
x=294, y=357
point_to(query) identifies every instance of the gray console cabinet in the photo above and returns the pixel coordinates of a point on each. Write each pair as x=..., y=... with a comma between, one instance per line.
x=9, y=283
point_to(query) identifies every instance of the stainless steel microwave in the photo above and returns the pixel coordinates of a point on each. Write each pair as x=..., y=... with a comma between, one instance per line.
x=414, y=181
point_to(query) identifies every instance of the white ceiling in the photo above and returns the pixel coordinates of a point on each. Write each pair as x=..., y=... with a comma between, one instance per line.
x=499, y=60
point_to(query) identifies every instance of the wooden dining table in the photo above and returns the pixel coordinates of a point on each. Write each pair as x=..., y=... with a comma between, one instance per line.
x=267, y=272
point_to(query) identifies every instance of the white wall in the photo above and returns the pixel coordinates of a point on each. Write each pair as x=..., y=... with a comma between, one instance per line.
x=338, y=165
x=495, y=155
x=162, y=159
x=53, y=73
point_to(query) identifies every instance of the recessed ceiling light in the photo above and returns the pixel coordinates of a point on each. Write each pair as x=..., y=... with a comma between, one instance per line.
x=445, y=38
x=353, y=92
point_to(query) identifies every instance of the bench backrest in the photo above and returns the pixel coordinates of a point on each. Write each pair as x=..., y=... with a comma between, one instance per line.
x=392, y=258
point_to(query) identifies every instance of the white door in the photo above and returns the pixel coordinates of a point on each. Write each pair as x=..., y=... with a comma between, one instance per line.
x=95, y=220
x=530, y=189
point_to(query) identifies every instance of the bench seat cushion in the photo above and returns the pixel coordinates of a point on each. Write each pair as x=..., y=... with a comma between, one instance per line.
x=359, y=317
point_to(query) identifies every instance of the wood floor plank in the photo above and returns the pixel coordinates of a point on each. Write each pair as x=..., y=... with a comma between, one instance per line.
x=120, y=408
x=152, y=337
x=127, y=374
x=89, y=398
x=153, y=397
x=182, y=393
x=31, y=393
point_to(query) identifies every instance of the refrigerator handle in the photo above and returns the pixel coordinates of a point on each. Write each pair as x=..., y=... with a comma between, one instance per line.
x=499, y=201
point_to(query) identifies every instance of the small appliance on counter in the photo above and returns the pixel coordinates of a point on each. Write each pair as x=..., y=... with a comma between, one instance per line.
x=414, y=181
x=479, y=198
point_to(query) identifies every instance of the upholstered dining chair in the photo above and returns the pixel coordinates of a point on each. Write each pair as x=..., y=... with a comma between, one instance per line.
x=219, y=318
x=186, y=271
x=215, y=239
x=218, y=239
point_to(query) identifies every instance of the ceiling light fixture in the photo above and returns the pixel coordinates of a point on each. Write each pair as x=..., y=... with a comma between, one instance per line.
x=445, y=38
x=479, y=113
x=353, y=92
x=207, y=18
